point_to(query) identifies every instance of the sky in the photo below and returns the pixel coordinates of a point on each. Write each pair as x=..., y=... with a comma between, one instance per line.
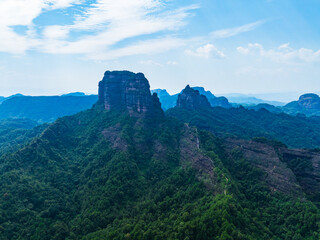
x=269, y=48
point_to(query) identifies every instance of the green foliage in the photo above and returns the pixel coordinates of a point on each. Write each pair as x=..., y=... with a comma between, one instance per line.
x=105, y=175
x=293, y=131
x=16, y=132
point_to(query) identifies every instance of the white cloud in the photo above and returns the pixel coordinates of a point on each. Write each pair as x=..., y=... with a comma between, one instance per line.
x=56, y=4
x=143, y=47
x=284, y=46
x=243, y=50
x=206, y=51
x=230, y=32
x=150, y=62
x=117, y=21
x=56, y=32
x=172, y=63
x=99, y=26
x=22, y=13
x=284, y=53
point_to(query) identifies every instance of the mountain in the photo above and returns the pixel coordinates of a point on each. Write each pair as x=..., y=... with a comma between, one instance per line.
x=2, y=99
x=266, y=106
x=170, y=101
x=298, y=132
x=167, y=100
x=308, y=104
x=124, y=90
x=245, y=100
x=125, y=170
x=44, y=108
x=191, y=99
x=75, y=94
x=214, y=101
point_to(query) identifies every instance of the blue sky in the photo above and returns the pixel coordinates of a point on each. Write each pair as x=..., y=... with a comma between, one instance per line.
x=52, y=47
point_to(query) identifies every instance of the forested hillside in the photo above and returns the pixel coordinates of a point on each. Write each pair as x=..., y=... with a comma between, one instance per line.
x=16, y=132
x=294, y=131
x=125, y=170
x=91, y=176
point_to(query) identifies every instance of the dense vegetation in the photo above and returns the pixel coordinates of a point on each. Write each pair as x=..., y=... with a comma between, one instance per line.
x=294, y=131
x=16, y=132
x=105, y=175
x=45, y=108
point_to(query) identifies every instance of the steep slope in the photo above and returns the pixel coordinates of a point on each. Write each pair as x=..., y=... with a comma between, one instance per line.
x=123, y=170
x=46, y=108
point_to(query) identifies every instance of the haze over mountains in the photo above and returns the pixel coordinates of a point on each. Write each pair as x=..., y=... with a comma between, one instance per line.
x=126, y=169
x=49, y=108
x=45, y=108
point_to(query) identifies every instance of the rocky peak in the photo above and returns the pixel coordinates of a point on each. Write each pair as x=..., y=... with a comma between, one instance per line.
x=202, y=91
x=308, y=96
x=191, y=99
x=309, y=101
x=124, y=90
x=161, y=92
x=213, y=100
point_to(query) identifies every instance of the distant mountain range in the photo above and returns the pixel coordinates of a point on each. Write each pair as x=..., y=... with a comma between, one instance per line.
x=45, y=108
x=169, y=101
x=2, y=99
x=49, y=108
x=250, y=100
x=308, y=104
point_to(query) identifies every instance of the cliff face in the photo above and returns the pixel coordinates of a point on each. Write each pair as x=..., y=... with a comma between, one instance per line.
x=290, y=171
x=124, y=90
x=192, y=100
x=276, y=175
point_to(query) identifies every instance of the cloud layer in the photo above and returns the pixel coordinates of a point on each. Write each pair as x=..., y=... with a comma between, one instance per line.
x=206, y=51
x=230, y=32
x=284, y=53
x=99, y=31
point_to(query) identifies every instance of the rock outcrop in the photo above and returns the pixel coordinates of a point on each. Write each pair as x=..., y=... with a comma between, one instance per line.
x=309, y=101
x=213, y=100
x=124, y=90
x=167, y=100
x=276, y=175
x=308, y=104
x=192, y=100
x=306, y=166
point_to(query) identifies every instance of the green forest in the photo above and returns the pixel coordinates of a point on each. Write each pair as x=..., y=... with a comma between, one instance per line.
x=294, y=131
x=73, y=182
